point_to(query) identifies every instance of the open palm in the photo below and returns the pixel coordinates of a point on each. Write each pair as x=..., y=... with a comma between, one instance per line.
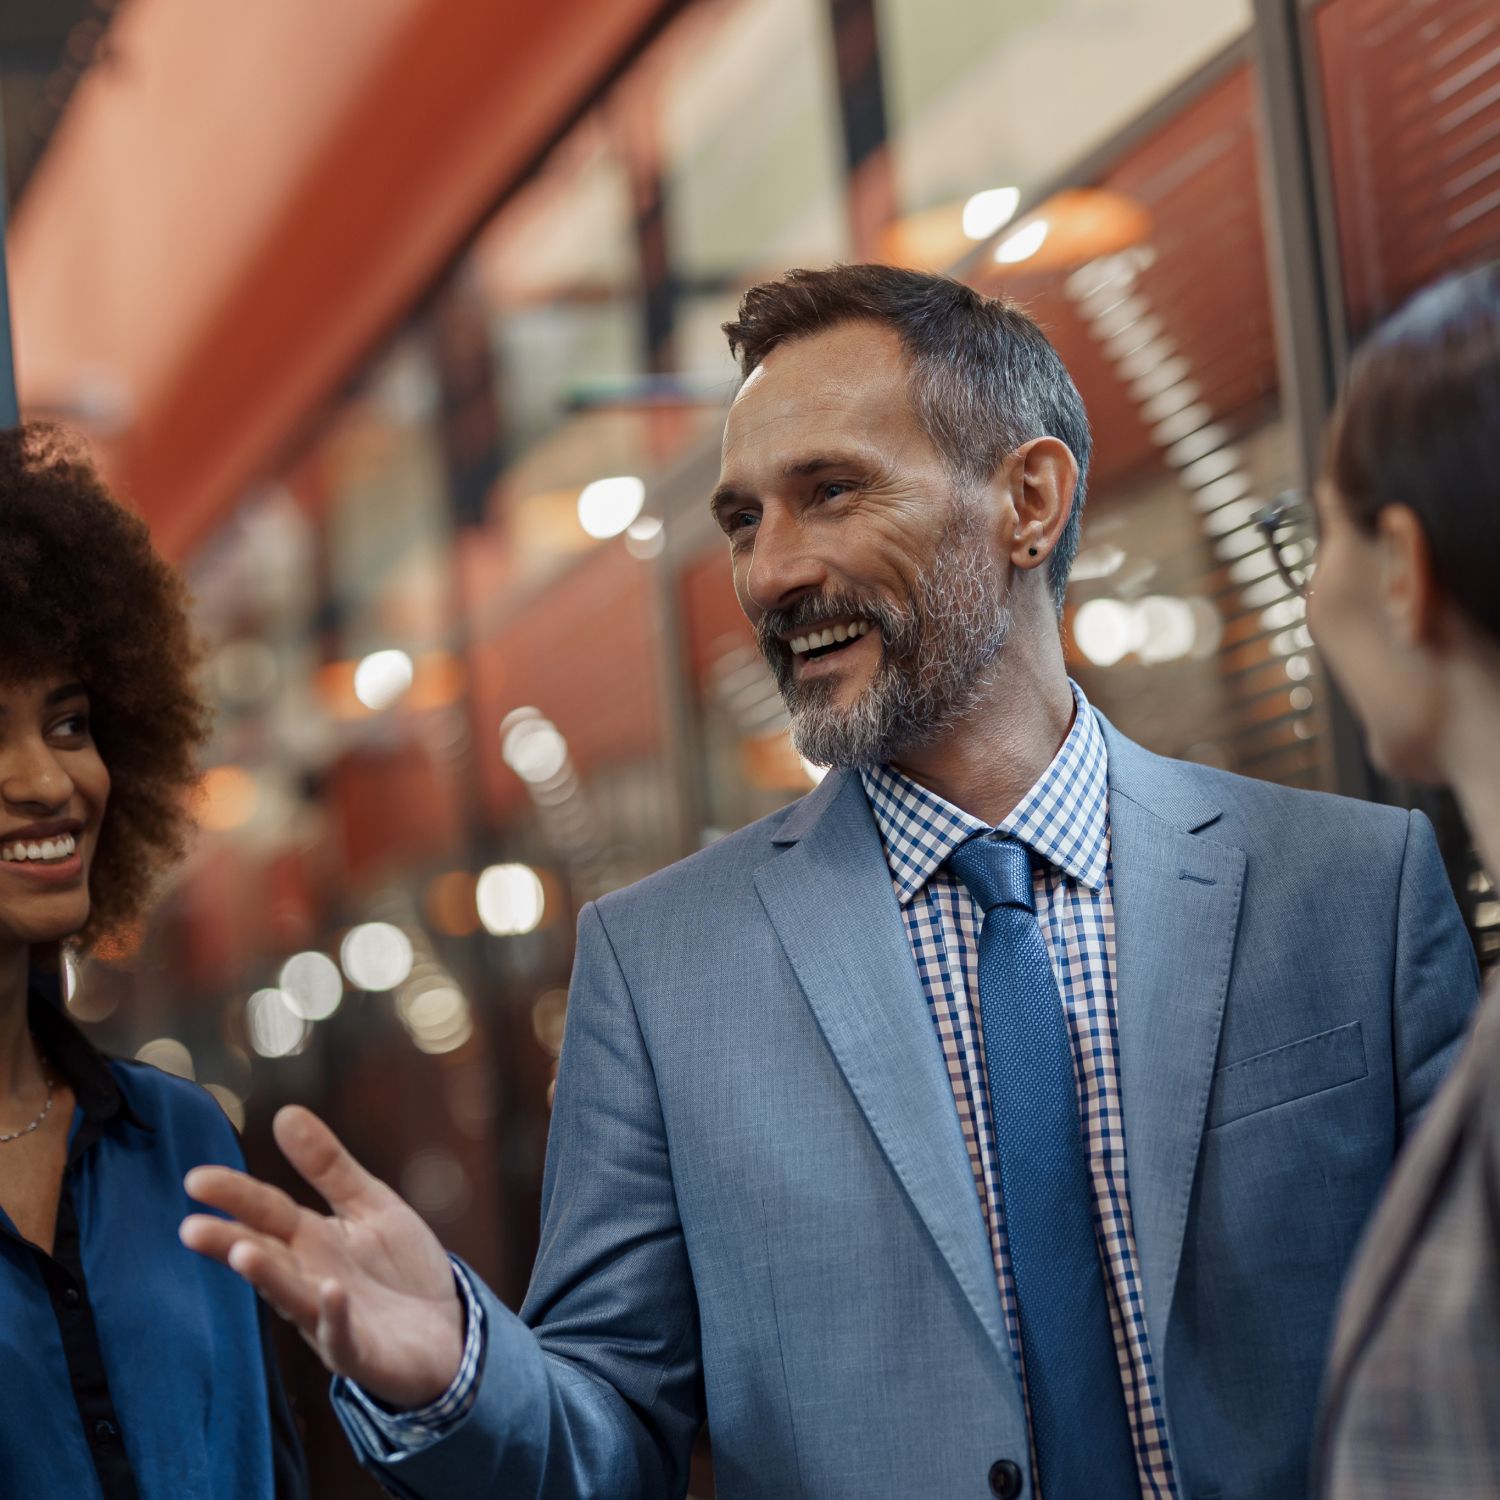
x=368, y=1285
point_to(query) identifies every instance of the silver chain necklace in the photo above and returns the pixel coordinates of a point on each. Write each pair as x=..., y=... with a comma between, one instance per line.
x=16, y=1135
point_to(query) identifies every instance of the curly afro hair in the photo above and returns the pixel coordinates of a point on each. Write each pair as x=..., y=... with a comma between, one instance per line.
x=85, y=592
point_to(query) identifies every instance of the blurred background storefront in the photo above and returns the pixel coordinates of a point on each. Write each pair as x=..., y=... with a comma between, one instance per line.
x=399, y=321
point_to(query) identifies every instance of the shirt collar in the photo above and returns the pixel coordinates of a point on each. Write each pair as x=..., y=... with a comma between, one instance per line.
x=1064, y=818
x=75, y=1057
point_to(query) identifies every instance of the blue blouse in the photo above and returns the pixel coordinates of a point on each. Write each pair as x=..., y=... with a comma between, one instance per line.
x=131, y=1368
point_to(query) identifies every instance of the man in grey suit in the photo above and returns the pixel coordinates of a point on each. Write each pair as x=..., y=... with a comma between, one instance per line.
x=996, y=1121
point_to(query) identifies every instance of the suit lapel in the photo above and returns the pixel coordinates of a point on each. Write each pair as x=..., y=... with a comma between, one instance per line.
x=1177, y=904
x=830, y=900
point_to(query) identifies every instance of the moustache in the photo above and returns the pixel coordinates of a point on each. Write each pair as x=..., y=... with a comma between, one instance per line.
x=896, y=625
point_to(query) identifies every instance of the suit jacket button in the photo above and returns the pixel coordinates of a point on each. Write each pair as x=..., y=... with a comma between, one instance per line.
x=1005, y=1479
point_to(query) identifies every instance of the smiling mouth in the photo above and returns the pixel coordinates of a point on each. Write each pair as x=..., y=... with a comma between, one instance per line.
x=52, y=851
x=816, y=644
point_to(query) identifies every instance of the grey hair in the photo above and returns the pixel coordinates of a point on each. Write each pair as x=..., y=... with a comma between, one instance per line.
x=984, y=378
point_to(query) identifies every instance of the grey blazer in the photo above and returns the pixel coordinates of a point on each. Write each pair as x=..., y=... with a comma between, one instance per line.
x=1413, y=1404
x=758, y=1208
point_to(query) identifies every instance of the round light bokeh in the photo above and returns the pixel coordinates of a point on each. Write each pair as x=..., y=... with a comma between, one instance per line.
x=312, y=985
x=646, y=538
x=376, y=956
x=1022, y=244
x=435, y=1184
x=510, y=899
x=230, y=1102
x=990, y=211
x=607, y=506
x=276, y=1030
x=168, y=1054
x=437, y=1016
x=381, y=678
x=533, y=747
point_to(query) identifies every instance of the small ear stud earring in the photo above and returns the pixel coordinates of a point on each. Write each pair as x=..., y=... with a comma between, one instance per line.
x=1033, y=551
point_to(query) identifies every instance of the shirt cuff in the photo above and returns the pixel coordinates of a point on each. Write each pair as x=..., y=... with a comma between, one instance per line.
x=389, y=1434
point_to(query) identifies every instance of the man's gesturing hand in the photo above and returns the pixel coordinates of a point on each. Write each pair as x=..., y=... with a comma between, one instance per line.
x=368, y=1286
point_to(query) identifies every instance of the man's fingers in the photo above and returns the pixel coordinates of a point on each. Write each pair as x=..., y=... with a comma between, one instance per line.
x=255, y=1203
x=272, y=1272
x=318, y=1154
x=335, y=1338
x=212, y=1236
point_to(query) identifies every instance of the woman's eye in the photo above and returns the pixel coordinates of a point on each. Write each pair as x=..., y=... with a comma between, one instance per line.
x=75, y=726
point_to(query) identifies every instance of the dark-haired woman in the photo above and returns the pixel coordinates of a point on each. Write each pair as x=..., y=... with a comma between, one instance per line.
x=129, y=1367
x=1406, y=608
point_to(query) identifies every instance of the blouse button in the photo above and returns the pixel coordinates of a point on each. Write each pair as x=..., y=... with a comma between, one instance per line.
x=70, y=1298
x=104, y=1433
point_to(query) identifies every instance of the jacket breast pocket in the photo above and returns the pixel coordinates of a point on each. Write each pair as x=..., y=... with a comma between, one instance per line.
x=1295, y=1071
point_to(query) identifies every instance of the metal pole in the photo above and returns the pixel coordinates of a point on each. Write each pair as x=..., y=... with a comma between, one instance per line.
x=1307, y=295
x=9, y=413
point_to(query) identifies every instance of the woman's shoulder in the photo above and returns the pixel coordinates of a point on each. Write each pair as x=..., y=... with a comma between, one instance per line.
x=178, y=1107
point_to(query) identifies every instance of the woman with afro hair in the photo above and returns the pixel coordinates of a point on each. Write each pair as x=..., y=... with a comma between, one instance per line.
x=129, y=1367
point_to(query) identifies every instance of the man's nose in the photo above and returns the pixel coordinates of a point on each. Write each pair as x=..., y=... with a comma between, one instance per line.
x=33, y=776
x=782, y=567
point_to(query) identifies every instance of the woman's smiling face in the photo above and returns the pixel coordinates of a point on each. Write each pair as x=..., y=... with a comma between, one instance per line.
x=53, y=789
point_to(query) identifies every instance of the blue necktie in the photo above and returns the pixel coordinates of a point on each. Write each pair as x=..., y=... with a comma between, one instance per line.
x=1082, y=1435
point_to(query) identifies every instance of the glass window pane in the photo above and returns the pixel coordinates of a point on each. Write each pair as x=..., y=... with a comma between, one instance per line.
x=985, y=96
x=1412, y=99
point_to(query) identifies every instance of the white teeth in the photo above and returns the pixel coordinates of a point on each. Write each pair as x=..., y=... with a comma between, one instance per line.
x=815, y=639
x=41, y=849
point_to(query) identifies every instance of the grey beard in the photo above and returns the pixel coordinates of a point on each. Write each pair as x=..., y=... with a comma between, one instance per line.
x=936, y=650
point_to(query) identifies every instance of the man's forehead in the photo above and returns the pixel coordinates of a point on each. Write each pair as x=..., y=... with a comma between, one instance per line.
x=852, y=376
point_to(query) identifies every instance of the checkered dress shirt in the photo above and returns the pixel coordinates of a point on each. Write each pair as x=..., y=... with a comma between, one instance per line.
x=1064, y=819
x=386, y=1433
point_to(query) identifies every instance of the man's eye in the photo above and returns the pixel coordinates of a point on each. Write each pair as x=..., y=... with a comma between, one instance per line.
x=738, y=520
x=835, y=489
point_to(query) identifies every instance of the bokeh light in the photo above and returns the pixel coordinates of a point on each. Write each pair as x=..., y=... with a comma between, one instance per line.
x=436, y=1015
x=607, y=506
x=990, y=211
x=1022, y=244
x=168, y=1054
x=510, y=899
x=229, y=798
x=276, y=1030
x=230, y=1102
x=312, y=985
x=381, y=678
x=532, y=746
x=376, y=956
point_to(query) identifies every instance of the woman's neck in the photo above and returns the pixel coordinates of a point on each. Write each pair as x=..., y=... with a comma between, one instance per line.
x=18, y=1064
x=1471, y=760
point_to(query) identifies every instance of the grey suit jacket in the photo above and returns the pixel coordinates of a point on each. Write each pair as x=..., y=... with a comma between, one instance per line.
x=758, y=1207
x=1413, y=1402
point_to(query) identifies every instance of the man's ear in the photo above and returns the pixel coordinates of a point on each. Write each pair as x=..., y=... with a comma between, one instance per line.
x=1409, y=594
x=1043, y=477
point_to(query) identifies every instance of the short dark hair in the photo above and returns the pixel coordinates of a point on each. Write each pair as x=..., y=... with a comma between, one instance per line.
x=85, y=592
x=1419, y=425
x=984, y=378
